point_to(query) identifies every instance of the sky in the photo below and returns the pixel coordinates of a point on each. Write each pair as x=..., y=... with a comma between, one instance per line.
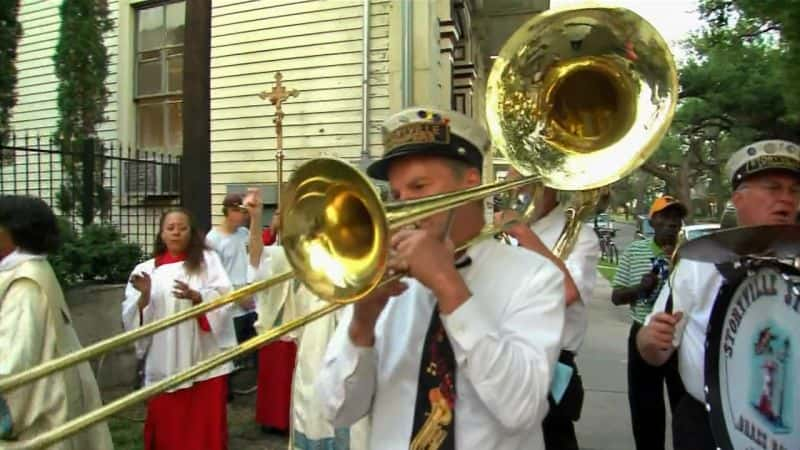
x=674, y=19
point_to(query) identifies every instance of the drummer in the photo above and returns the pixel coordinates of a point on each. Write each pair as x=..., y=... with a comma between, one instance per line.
x=765, y=177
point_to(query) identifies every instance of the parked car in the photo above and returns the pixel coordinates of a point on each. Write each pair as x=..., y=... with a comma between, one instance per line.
x=643, y=228
x=728, y=219
x=689, y=232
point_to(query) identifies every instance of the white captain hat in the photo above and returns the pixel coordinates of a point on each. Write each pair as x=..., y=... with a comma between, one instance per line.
x=429, y=131
x=761, y=156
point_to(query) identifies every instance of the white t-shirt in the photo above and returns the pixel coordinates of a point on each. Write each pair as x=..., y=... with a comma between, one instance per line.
x=694, y=288
x=582, y=266
x=232, y=250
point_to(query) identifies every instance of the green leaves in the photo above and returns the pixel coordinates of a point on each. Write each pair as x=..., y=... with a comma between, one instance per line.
x=81, y=65
x=10, y=32
x=98, y=254
x=737, y=87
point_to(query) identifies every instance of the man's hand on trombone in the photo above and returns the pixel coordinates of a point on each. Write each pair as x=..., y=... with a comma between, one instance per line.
x=421, y=254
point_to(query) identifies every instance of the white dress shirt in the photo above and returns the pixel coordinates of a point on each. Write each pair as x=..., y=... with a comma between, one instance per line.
x=180, y=346
x=694, y=287
x=505, y=338
x=582, y=266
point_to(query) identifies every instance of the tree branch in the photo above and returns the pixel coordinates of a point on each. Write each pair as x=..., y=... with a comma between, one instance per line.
x=758, y=32
x=696, y=148
x=658, y=171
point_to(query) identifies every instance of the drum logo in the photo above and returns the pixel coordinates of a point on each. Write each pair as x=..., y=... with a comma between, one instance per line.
x=770, y=376
x=751, y=389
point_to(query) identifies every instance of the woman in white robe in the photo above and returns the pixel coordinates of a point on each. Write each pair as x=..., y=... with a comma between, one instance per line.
x=35, y=327
x=181, y=274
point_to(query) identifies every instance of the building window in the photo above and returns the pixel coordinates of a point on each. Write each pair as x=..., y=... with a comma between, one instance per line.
x=159, y=77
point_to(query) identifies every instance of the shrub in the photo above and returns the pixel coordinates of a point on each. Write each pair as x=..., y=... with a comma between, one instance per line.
x=97, y=255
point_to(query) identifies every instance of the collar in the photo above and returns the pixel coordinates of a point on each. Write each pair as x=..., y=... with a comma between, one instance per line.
x=168, y=258
x=16, y=258
x=657, y=251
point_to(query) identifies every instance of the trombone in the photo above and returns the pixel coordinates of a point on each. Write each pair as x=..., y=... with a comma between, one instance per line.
x=577, y=98
x=390, y=216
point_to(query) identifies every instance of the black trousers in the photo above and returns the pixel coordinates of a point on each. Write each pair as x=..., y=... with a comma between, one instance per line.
x=558, y=427
x=691, y=428
x=245, y=330
x=646, y=395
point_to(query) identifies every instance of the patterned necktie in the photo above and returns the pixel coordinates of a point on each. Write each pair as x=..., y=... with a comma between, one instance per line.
x=434, y=411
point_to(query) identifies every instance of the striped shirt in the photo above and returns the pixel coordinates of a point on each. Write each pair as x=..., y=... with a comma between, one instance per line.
x=638, y=259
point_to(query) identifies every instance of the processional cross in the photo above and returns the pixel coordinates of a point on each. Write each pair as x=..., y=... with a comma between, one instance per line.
x=277, y=96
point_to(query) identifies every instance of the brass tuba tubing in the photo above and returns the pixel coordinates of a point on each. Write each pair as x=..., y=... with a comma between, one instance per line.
x=14, y=381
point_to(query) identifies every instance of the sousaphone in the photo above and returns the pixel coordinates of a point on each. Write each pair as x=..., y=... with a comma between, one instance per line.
x=580, y=98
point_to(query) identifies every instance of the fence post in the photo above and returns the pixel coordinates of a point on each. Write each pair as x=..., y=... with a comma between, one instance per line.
x=87, y=185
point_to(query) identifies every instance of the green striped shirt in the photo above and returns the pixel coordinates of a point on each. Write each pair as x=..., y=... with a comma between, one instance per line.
x=634, y=263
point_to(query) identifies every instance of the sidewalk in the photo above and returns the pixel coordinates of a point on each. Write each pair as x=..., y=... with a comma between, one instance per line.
x=605, y=422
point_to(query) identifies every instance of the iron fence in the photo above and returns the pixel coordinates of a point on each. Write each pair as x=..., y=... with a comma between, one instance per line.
x=94, y=181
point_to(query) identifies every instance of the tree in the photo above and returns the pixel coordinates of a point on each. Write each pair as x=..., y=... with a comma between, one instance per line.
x=81, y=64
x=745, y=20
x=10, y=33
x=733, y=91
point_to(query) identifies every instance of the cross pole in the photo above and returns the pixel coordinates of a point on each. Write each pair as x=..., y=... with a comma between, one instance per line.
x=277, y=96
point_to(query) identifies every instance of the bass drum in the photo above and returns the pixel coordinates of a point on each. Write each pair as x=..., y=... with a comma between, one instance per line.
x=753, y=362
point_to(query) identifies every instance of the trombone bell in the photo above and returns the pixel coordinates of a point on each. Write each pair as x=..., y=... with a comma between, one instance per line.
x=335, y=230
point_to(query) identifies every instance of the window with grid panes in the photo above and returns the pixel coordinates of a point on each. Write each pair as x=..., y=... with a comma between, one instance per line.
x=159, y=76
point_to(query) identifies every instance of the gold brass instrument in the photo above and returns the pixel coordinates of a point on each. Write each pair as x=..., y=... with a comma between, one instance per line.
x=577, y=99
x=596, y=84
x=337, y=229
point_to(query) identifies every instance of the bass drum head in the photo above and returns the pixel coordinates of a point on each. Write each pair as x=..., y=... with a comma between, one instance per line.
x=753, y=363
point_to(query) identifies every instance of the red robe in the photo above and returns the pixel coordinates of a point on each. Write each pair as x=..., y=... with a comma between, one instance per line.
x=276, y=362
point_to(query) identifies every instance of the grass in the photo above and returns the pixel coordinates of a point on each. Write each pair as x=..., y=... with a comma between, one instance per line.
x=126, y=434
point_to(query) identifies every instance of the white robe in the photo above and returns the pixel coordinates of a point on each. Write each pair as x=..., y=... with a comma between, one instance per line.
x=36, y=327
x=290, y=300
x=181, y=346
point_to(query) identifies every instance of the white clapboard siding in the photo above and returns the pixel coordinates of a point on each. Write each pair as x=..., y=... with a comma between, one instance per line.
x=35, y=115
x=36, y=111
x=317, y=46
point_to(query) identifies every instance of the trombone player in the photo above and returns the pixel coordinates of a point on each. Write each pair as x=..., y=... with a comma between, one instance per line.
x=460, y=353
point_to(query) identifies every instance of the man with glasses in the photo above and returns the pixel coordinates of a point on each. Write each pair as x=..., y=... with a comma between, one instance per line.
x=765, y=177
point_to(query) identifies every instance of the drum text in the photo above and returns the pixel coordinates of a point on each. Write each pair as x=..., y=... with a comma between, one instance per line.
x=753, y=289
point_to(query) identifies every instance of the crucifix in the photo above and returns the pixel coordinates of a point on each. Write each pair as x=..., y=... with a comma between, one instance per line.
x=277, y=96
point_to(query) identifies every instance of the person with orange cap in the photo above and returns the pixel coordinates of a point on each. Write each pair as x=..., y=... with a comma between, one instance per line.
x=641, y=273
